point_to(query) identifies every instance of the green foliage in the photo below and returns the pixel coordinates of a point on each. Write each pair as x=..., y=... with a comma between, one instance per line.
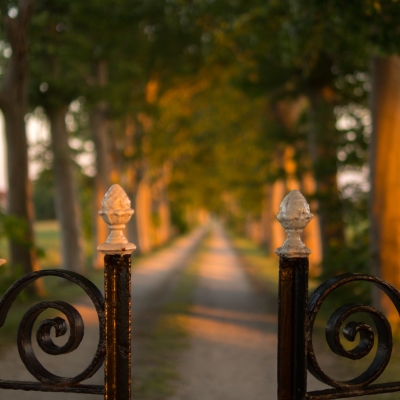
x=43, y=196
x=85, y=191
x=12, y=228
x=178, y=218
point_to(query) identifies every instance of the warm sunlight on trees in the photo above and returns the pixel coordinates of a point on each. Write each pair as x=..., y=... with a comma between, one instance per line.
x=208, y=108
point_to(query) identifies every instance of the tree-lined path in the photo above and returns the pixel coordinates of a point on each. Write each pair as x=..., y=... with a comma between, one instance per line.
x=232, y=354
x=152, y=280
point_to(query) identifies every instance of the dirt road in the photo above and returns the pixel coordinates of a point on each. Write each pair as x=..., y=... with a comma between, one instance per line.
x=152, y=280
x=233, y=333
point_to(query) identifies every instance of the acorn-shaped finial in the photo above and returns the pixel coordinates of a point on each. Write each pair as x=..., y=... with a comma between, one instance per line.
x=294, y=215
x=116, y=212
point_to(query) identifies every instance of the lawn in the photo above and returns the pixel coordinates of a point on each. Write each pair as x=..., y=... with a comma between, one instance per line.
x=262, y=268
x=47, y=234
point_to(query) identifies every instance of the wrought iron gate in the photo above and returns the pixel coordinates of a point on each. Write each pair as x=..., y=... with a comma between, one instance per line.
x=297, y=313
x=113, y=311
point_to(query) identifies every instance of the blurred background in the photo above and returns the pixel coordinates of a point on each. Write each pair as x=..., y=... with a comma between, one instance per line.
x=200, y=108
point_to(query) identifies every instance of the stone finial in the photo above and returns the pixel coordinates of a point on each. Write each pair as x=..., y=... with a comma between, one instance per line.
x=116, y=212
x=2, y=261
x=294, y=215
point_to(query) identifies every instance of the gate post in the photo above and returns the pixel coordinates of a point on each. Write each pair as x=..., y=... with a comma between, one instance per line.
x=116, y=212
x=294, y=215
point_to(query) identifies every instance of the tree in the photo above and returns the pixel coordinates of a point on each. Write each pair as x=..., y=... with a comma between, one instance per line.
x=13, y=103
x=306, y=51
x=361, y=32
x=385, y=164
x=55, y=57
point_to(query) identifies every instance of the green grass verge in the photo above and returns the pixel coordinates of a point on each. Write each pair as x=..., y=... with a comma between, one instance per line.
x=263, y=268
x=47, y=235
x=158, y=370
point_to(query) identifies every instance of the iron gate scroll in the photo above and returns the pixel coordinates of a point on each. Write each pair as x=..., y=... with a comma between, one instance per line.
x=297, y=313
x=113, y=311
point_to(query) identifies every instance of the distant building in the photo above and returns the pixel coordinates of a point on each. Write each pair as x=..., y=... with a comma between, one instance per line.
x=3, y=200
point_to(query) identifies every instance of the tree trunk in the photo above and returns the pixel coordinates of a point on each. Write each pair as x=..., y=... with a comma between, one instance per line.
x=102, y=179
x=322, y=137
x=266, y=218
x=311, y=234
x=22, y=250
x=66, y=197
x=162, y=226
x=13, y=100
x=143, y=217
x=99, y=126
x=165, y=219
x=278, y=235
x=132, y=227
x=135, y=173
x=385, y=177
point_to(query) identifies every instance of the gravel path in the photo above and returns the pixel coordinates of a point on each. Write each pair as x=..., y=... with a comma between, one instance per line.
x=152, y=280
x=233, y=333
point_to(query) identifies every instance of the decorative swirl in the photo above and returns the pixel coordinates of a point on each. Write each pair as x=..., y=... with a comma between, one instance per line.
x=44, y=340
x=367, y=337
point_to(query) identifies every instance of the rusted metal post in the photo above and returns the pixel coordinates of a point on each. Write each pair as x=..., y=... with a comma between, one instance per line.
x=116, y=212
x=294, y=215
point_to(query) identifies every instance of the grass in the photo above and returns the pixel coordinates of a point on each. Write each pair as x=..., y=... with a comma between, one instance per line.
x=47, y=235
x=263, y=268
x=158, y=368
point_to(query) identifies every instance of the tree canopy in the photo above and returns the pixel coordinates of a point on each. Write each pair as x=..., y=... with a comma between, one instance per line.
x=214, y=105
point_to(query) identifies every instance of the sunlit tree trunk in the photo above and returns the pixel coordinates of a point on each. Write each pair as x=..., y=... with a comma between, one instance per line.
x=134, y=178
x=266, y=218
x=66, y=198
x=13, y=103
x=289, y=113
x=385, y=175
x=162, y=223
x=322, y=141
x=143, y=217
x=312, y=234
x=165, y=219
x=106, y=173
x=278, y=235
x=102, y=179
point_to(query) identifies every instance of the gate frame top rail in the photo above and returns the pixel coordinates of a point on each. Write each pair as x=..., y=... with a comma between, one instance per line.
x=113, y=311
x=297, y=314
